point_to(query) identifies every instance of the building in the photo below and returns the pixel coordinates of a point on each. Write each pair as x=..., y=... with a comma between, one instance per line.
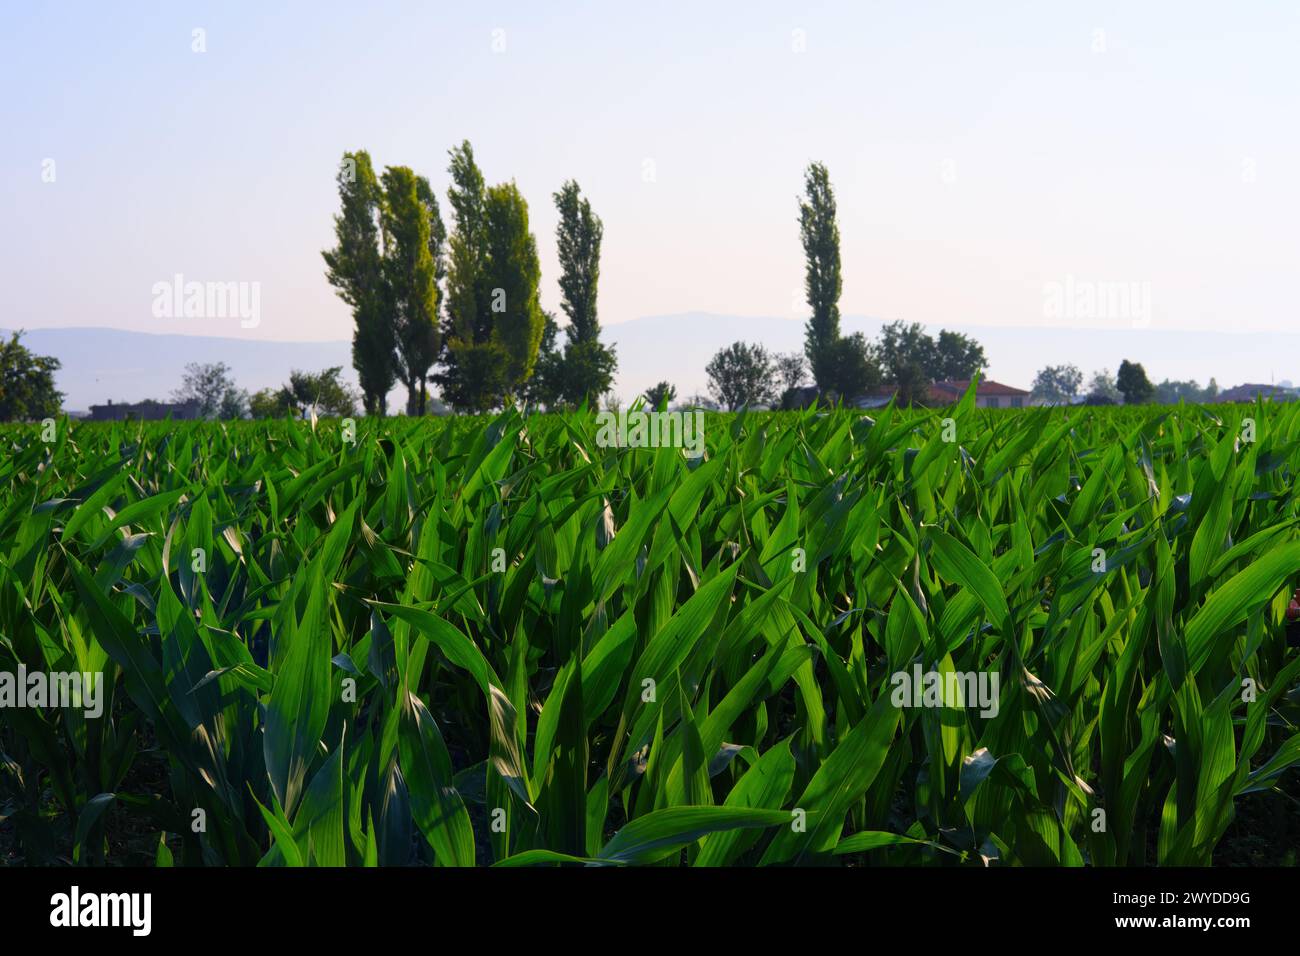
x=1248, y=393
x=988, y=394
x=148, y=410
x=801, y=396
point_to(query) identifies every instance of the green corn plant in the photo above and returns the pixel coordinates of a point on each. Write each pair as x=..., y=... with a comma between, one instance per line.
x=503, y=641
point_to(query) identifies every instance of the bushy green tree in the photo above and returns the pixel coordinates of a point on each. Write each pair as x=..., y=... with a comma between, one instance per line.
x=27, y=389
x=854, y=371
x=791, y=369
x=234, y=405
x=325, y=390
x=267, y=403
x=1058, y=384
x=1133, y=383
x=907, y=359
x=740, y=376
x=658, y=396
x=212, y=388
x=956, y=357
x=1102, y=389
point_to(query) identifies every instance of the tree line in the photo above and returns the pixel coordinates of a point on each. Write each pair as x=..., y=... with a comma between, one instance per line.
x=461, y=309
x=1063, y=384
x=210, y=387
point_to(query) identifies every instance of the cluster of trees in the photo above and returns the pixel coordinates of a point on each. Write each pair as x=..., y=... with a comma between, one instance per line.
x=1063, y=384
x=211, y=386
x=325, y=391
x=1171, y=392
x=462, y=309
x=904, y=359
x=911, y=361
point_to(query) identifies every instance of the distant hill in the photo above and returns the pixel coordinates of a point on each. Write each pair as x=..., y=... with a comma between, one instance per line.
x=101, y=364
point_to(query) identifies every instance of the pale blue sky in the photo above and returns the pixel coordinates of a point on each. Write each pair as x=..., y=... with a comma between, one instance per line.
x=979, y=151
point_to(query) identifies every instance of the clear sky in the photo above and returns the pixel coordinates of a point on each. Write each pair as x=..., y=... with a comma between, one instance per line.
x=981, y=152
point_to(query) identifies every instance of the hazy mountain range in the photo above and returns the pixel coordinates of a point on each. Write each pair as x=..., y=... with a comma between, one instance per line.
x=100, y=364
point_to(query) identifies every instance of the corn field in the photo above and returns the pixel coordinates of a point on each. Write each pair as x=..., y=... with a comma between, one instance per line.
x=494, y=641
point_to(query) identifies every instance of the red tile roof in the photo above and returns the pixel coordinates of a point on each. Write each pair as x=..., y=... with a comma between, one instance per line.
x=985, y=387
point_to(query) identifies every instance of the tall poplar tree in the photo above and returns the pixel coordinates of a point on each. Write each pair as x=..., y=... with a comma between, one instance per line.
x=578, y=235
x=437, y=229
x=511, y=277
x=355, y=268
x=822, y=283
x=438, y=250
x=588, y=365
x=411, y=276
x=472, y=364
